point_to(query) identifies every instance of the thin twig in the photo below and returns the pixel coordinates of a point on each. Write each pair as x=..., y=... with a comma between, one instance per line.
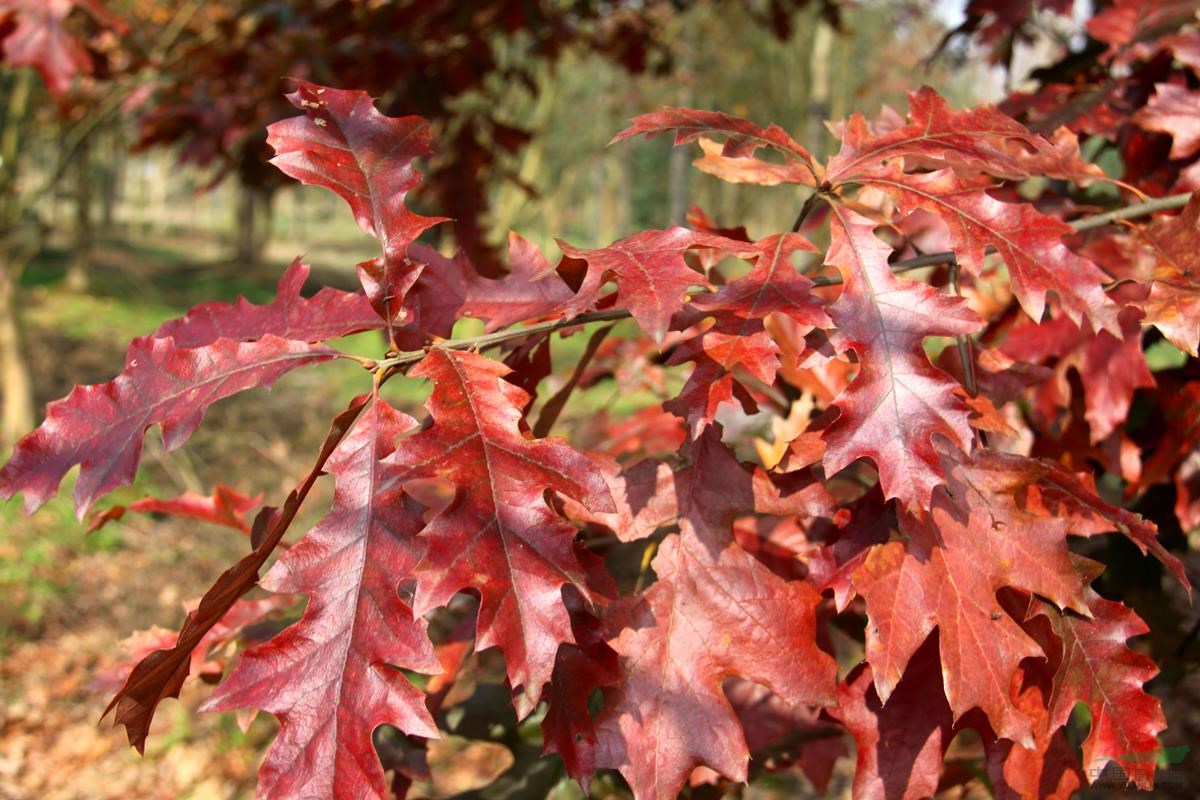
x=928, y=260
x=805, y=210
x=499, y=337
x=965, y=357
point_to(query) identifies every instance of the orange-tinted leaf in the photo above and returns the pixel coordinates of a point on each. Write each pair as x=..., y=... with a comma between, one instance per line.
x=742, y=138
x=1175, y=111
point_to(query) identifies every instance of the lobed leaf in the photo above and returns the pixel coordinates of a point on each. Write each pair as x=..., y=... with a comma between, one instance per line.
x=498, y=536
x=345, y=145
x=334, y=676
x=100, y=427
x=899, y=401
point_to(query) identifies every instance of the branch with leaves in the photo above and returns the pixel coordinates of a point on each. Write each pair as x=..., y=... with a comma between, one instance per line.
x=895, y=473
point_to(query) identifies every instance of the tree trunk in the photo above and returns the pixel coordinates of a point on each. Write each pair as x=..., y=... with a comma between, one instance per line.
x=110, y=171
x=16, y=382
x=83, y=244
x=253, y=224
x=15, y=377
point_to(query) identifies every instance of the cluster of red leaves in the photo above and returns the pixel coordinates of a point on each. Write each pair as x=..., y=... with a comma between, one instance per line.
x=36, y=33
x=915, y=500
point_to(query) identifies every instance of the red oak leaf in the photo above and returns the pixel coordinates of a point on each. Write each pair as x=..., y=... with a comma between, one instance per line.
x=1047, y=771
x=162, y=673
x=452, y=289
x=652, y=277
x=498, y=536
x=334, y=676
x=1066, y=494
x=1094, y=666
x=934, y=576
x=769, y=722
x=644, y=496
x=101, y=427
x=224, y=506
x=898, y=401
x=328, y=314
x=731, y=343
x=978, y=140
x=742, y=139
x=900, y=744
x=344, y=144
x=772, y=286
x=1175, y=111
x=715, y=612
x=568, y=728
x=1125, y=22
x=1111, y=369
x=1029, y=242
x=1173, y=305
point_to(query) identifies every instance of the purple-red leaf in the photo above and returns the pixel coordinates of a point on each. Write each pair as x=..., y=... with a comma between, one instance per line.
x=334, y=676
x=101, y=427
x=328, y=314
x=344, y=144
x=498, y=536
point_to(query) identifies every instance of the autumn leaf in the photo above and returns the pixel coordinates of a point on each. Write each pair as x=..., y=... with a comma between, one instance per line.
x=1173, y=304
x=1029, y=242
x=341, y=662
x=714, y=612
x=345, y=145
x=225, y=506
x=329, y=314
x=975, y=140
x=1096, y=667
x=498, y=536
x=899, y=743
x=652, y=277
x=899, y=401
x=40, y=39
x=742, y=140
x=1175, y=111
x=934, y=577
x=101, y=427
x=162, y=673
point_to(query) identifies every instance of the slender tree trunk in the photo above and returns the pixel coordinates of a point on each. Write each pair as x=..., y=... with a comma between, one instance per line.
x=110, y=171
x=819, y=98
x=16, y=382
x=83, y=245
x=15, y=376
x=253, y=224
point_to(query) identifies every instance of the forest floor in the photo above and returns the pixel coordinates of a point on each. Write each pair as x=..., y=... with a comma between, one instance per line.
x=68, y=599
